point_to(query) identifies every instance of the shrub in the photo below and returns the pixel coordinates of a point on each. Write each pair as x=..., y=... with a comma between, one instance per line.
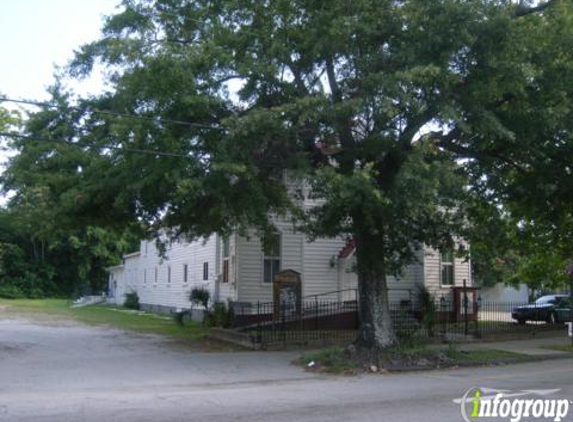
x=220, y=315
x=11, y=292
x=200, y=297
x=427, y=306
x=131, y=301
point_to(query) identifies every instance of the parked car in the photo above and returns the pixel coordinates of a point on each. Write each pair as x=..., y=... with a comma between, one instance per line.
x=551, y=308
x=563, y=310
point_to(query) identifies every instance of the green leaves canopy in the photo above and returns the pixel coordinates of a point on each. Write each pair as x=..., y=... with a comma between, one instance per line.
x=373, y=103
x=211, y=97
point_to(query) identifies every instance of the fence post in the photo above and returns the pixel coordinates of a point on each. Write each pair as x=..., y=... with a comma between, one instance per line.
x=478, y=310
x=315, y=313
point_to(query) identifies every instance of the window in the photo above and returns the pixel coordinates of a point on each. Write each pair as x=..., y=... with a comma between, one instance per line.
x=226, y=254
x=169, y=274
x=185, y=273
x=447, y=268
x=271, y=257
x=144, y=276
x=205, y=271
x=155, y=277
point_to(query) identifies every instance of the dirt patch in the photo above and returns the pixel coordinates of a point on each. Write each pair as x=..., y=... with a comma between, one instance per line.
x=351, y=360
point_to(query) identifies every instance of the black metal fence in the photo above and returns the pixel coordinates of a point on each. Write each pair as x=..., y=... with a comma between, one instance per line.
x=337, y=320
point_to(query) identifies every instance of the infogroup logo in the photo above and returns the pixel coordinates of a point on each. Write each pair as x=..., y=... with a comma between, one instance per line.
x=483, y=403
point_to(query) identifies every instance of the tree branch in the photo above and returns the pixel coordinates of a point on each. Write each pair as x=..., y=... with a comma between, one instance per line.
x=414, y=125
x=343, y=123
x=334, y=88
x=522, y=10
x=448, y=143
x=299, y=81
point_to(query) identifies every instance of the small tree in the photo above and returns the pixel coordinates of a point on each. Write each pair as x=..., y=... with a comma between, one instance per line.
x=200, y=297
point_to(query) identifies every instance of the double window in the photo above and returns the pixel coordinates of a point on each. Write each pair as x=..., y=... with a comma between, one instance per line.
x=271, y=257
x=447, y=268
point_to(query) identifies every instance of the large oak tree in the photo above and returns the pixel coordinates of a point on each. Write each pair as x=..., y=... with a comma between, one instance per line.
x=375, y=104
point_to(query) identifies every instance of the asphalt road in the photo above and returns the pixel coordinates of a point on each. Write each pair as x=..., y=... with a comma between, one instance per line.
x=75, y=373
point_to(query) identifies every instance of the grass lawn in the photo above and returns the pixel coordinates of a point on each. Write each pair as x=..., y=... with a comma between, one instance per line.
x=101, y=315
x=561, y=347
x=484, y=355
x=336, y=361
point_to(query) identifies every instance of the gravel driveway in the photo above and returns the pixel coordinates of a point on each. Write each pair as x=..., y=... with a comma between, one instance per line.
x=44, y=365
x=71, y=373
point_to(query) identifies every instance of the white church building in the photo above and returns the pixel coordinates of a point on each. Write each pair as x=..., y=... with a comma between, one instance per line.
x=238, y=269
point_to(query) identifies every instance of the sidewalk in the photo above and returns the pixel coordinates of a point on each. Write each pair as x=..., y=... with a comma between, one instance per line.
x=535, y=347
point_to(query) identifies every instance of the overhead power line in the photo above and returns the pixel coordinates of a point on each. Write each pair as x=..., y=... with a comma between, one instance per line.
x=89, y=145
x=112, y=113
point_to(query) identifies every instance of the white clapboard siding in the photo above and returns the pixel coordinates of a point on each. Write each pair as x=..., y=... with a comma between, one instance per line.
x=131, y=264
x=432, y=273
x=251, y=287
x=400, y=288
x=319, y=274
x=175, y=293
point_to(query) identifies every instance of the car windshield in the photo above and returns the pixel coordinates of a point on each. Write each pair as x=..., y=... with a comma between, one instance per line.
x=545, y=300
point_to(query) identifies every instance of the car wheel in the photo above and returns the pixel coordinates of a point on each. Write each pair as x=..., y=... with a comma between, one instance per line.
x=552, y=318
x=521, y=321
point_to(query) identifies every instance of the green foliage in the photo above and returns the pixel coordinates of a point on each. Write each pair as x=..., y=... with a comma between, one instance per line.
x=42, y=259
x=510, y=250
x=386, y=109
x=200, y=297
x=11, y=292
x=9, y=119
x=427, y=305
x=220, y=315
x=131, y=301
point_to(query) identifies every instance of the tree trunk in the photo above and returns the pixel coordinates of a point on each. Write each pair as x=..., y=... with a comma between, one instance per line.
x=375, y=331
x=35, y=251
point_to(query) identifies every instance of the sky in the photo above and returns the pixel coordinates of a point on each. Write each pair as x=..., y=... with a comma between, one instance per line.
x=36, y=36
